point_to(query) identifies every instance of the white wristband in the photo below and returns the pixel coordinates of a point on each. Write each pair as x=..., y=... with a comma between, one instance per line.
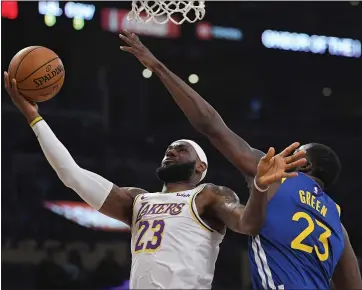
x=258, y=188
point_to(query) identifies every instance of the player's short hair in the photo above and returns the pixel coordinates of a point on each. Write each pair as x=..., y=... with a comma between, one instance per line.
x=325, y=163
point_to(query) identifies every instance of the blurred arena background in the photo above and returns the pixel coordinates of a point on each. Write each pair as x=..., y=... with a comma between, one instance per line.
x=277, y=72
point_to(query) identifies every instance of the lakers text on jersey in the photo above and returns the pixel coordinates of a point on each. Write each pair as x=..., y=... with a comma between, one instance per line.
x=301, y=241
x=172, y=248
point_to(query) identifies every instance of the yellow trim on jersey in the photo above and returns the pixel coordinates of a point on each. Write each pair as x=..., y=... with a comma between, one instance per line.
x=135, y=199
x=339, y=209
x=283, y=179
x=194, y=211
x=134, y=203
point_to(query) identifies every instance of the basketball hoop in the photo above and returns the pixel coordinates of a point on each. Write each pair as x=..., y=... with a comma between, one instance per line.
x=162, y=11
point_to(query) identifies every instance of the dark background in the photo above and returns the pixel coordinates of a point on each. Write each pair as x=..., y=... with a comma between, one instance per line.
x=118, y=124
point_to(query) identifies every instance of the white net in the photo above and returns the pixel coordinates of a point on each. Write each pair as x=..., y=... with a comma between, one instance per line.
x=163, y=11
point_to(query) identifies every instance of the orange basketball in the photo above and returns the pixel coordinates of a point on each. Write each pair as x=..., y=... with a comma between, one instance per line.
x=39, y=73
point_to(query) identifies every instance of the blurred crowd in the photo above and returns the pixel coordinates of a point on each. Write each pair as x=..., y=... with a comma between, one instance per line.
x=72, y=274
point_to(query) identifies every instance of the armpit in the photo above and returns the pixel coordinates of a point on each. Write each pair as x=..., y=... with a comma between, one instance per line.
x=119, y=203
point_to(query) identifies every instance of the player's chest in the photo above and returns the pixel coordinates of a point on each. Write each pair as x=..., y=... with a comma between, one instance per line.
x=161, y=206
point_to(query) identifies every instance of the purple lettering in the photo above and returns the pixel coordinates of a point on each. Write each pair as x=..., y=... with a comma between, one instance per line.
x=158, y=227
x=142, y=211
x=154, y=208
x=161, y=210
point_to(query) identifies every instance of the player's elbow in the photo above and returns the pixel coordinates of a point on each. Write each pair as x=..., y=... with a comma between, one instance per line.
x=210, y=124
x=205, y=127
x=213, y=132
x=70, y=176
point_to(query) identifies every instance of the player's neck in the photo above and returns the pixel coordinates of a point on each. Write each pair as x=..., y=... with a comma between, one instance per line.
x=176, y=187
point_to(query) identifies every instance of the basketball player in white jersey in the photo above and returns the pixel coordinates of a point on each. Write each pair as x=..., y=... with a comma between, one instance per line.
x=175, y=233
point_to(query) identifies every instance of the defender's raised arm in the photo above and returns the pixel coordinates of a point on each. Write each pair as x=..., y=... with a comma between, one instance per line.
x=200, y=113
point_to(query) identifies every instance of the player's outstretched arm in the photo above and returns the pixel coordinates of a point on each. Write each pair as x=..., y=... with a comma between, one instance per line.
x=97, y=191
x=250, y=219
x=199, y=112
x=347, y=275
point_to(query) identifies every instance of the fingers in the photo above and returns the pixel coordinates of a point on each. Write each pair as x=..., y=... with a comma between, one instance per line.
x=298, y=155
x=127, y=48
x=270, y=154
x=290, y=174
x=130, y=38
x=270, y=179
x=278, y=176
x=126, y=32
x=125, y=39
x=130, y=35
x=290, y=149
x=296, y=164
x=14, y=88
x=6, y=81
x=11, y=86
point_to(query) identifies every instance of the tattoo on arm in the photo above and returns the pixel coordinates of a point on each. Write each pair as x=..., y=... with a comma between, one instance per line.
x=247, y=219
x=226, y=193
x=227, y=206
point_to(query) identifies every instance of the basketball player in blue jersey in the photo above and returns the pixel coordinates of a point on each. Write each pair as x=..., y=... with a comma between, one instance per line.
x=178, y=229
x=302, y=244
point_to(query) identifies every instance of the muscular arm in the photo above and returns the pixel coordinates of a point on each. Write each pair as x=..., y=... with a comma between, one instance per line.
x=347, y=274
x=247, y=219
x=97, y=191
x=207, y=121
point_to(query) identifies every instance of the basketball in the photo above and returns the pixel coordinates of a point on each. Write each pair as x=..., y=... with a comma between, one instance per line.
x=39, y=73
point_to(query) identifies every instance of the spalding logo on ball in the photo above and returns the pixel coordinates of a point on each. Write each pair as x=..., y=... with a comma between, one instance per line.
x=50, y=74
x=39, y=73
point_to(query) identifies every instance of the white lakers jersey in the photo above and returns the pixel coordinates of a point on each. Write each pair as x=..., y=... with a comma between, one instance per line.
x=172, y=248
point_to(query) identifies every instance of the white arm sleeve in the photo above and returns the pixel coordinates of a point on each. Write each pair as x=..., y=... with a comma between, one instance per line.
x=91, y=187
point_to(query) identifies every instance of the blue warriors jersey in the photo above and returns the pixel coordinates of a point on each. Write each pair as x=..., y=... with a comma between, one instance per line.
x=301, y=241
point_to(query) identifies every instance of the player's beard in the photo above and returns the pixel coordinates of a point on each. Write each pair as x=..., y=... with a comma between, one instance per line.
x=176, y=172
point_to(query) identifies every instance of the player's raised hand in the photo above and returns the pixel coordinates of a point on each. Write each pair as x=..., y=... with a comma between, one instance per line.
x=136, y=47
x=28, y=108
x=272, y=168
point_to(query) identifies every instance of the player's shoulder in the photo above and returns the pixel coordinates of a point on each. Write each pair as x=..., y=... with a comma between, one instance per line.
x=301, y=177
x=307, y=183
x=219, y=190
x=216, y=188
x=134, y=191
x=131, y=192
x=302, y=181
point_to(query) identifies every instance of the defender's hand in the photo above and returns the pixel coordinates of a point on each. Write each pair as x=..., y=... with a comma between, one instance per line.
x=138, y=49
x=272, y=168
x=28, y=108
